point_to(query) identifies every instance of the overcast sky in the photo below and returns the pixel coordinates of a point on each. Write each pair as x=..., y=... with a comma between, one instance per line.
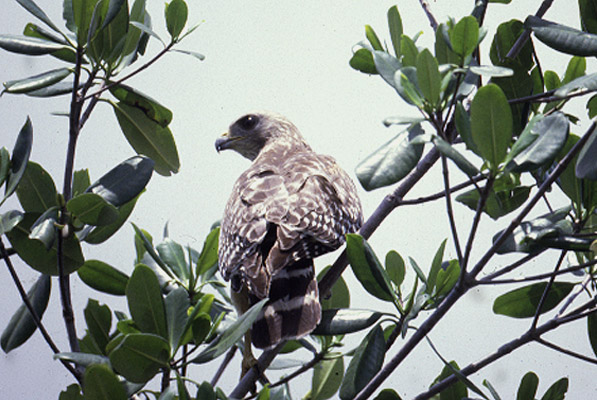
x=292, y=58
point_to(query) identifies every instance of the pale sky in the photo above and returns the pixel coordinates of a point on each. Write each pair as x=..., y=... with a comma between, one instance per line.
x=292, y=58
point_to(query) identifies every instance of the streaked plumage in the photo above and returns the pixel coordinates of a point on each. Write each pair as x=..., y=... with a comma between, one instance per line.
x=290, y=206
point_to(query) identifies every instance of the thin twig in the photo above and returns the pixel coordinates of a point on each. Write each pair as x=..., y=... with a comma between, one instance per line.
x=442, y=194
x=537, y=277
x=524, y=37
x=430, y=17
x=34, y=316
x=229, y=356
x=450, y=209
x=490, y=278
x=552, y=279
x=566, y=351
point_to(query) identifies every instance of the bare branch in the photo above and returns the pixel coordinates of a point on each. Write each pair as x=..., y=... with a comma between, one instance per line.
x=552, y=279
x=229, y=356
x=524, y=37
x=430, y=17
x=449, y=209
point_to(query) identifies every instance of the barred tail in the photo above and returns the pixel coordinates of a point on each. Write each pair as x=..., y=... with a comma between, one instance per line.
x=293, y=309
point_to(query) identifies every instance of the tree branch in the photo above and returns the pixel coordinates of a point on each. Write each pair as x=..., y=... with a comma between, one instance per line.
x=430, y=17
x=450, y=210
x=524, y=37
x=229, y=356
x=552, y=278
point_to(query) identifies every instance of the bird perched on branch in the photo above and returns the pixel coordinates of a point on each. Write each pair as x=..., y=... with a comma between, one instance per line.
x=289, y=207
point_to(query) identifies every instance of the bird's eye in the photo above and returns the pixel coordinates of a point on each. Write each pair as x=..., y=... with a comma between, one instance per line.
x=248, y=122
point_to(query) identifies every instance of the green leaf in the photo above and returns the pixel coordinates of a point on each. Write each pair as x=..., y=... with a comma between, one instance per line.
x=57, y=89
x=206, y=392
x=409, y=51
x=392, y=161
x=592, y=331
x=9, y=220
x=339, y=295
x=148, y=138
x=209, y=252
x=362, y=60
x=456, y=391
x=563, y=38
x=528, y=387
x=36, y=190
x=19, y=160
x=449, y=151
x=37, y=12
x=387, y=394
x=21, y=325
x=140, y=356
x=428, y=77
x=82, y=14
x=464, y=36
x=585, y=164
x=463, y=126
x=103, y=277
x=506, y=35
x=386, y=65
x=83, y=359
x=345, y=320
x=523, y=302
x=367, y=268
x=99, y=321
x=173, y=255
x=92, y=209
x=491, y=124
x=587, y=82
x=44, y=228
x=72, y=392
x=405, y=82
x=499, y=203
x=395, y=26
x=125, y=181
x=145, y=301
x=591, y=107
x=81, y=181
x=151, y=108
x=327, y=377
x=545, y=139
x=372, y=38
x=366, y=362
x=436, y=266
x=108, y=29
x=176, y=17
x=35, y=254
x=491, y=71
x=200, y=327
x=557, y=391
x=4, y=165
x=231, y=335
x=28, y=46
x=395, y=267
x=100, y=234
x=102, y=384
x=37, y=81
x=588, y=15
x=575, y=69
x=176, y=304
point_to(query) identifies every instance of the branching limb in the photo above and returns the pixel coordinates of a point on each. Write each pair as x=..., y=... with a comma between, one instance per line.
x=34, y=316
x=450, y=209
x=439, y=195
x=524, y=37
x=489, y=279
x=537, y=277
x=566, y=351
x=552, y=279
x=229, y=356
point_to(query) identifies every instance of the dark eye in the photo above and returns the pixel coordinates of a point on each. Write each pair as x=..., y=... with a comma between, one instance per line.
x=248, y=122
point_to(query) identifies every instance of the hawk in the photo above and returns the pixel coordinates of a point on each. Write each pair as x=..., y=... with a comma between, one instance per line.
x=289, y=207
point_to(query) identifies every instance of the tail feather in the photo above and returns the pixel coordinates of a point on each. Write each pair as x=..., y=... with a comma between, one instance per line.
x=293, y=309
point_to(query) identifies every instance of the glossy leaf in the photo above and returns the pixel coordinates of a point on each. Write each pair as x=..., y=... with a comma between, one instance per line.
x=464, y=36
x=37, y=81
x=36, y=190
x=523, y=302
x=140, y=356
x=436, y=266
x=176, y=304
x=345, y=320
x=83, y=359
x=367, y=268
x=148, y=138
x=9, y=220
x=82, y=14
x=428, y=76
x=588, y=15
x=339, y=295
x=463, y=126
x=407, y=86
x=145, y=301
x=81, y=182
x=386, y=65
x=491, y=124
x=516, y=86
x=528, y=387
x=100, y=234
x=4, y=165
x=125, y=181
x=491, y=71
x=592, y=331
x=498, y=203
x=362, y=60
x=557, y=391
x=231, y=335
x=108, y=29
x=173, y=255
x=176, y=17
x=19, y=159
x=103, y=277
x=33, y=8
x=391, y=162
x=28, y=45
x=101, y=383
x=456, y=391
x=44, y=228
x=72, y=392
x=56, y=89
x=366, y=362
x=92, y=209
x=372, y=38
x=447, y=277
x=209, y=252
x=151, y=108
x=449, y=151
x=586, y=82
x=206, y=391
x=547, y=137
x=563, y=38
x=395, y=27
x=395, y=267
x=585, y=164
x=21, y=325
x=99, y=320
x=327, y=377
x=409, y=51
x=506, y=35
x=35, y=254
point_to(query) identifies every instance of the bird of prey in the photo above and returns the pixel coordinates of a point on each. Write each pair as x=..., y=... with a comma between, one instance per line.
x=290, y=206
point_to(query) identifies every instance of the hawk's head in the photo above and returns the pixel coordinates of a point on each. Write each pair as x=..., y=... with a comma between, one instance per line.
x=251, y=132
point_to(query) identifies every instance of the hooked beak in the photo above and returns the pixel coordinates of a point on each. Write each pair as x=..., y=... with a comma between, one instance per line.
x=222, y=142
